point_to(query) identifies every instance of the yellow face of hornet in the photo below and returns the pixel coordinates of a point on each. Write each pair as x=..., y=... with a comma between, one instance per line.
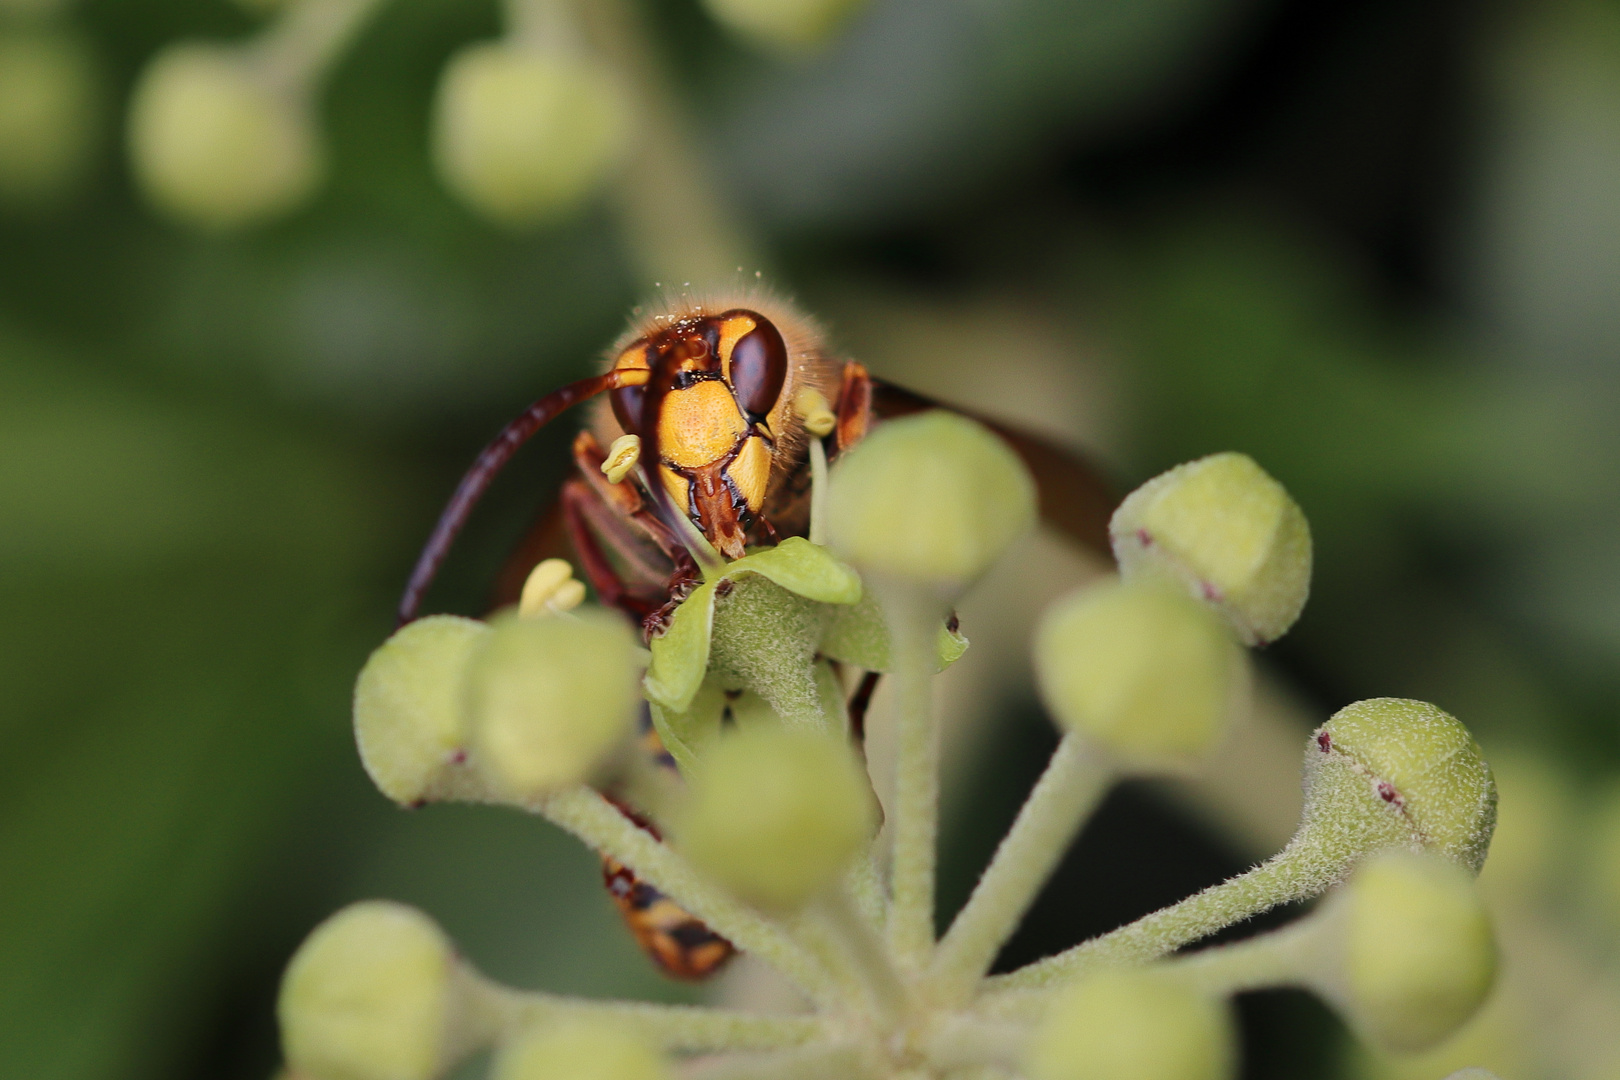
x=725, y=423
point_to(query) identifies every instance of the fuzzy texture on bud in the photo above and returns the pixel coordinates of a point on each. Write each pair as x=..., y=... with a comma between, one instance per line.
x=1419, y=956
x=214, y=144
x=579, y=1050
x=1133, y=1025
x=409, y=712
x=550, y=700
x=1226, y=530
x=1413, y=764
x=525, y=136
x=374, y=993
x=776, y=813
x=1140, y=669
x=788, y=25
x=47, y=114
x=932, y=499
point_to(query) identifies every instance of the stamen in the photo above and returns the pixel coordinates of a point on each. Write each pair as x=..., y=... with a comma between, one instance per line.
x=550, y=590
x=621, y=458
x=813, y=409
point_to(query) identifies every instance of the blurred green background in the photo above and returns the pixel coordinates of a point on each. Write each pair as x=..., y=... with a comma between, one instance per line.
x=1374, y=244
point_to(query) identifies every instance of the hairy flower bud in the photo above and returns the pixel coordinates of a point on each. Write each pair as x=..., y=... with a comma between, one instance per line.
x=776, y=813
x=409, y=716
x=1229, y=532
x=789, y=25
x=1133, y=1025
x=525, y=136
x=1140, y=669
x=579, y=1050
x=214, y=144
x=550, y=700
x=47, y=114
x=931, y=499
x=1407, y=765
x=1419, y=957
x=376, y=993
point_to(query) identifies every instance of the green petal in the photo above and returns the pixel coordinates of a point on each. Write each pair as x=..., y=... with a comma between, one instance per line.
x=857, y=635
x=804, y=568
x=685, y=733
x=681, y=656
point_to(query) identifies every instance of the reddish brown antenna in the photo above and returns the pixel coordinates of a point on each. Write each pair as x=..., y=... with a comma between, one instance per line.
x=490, y=461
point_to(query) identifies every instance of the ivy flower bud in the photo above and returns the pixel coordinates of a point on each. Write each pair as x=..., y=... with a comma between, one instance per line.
x=579, y=1050
x=409, y=715
x=1140, y=669
x=932, y=499
x=1229, y=532
x=1133, y=1025
x=551, y=700
x=47, y=114
x=788, y=25
x=524, y=136
x=1419, y=957
x=776, y=813
x=1410, y=764
x=214, y=144
x=376, y=993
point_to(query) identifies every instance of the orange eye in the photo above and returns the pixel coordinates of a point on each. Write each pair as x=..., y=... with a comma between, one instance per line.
x=758, y=368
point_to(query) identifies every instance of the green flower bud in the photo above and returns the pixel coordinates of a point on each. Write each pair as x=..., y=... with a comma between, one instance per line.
x=1229, y=532
x=47, y=114
x=1419, y=957
x=579, y=1050
x=376, y=993
x=525, y=136
x=788, y=25
x=1139, y=668
x=551, y=700
x=1129, y=1024
x=409, y=712
x=776, y=813
x=1408, y=764
x=214, y=144
x=932, y=499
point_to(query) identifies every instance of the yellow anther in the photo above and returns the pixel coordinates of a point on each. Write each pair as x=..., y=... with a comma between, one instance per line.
x=568, y=596
x=813, y=409
x=550, y=588
x=621, y=457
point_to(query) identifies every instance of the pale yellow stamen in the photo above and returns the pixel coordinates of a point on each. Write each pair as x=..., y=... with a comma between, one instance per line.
x=812, y=407
x=621, y=457
x=550, y=589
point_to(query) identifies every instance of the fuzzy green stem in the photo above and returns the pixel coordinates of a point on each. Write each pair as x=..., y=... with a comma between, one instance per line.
x=818, y=492
x=1284, y=957
x=677, y=226
x=304, y=43
x=1293, y=874
x=819, y=1061
x=866, y=889
x=681, y=1028
x=585, y=813
x=866, y=951
x=1074, y=781
x=915, y=820
x=966, y=1042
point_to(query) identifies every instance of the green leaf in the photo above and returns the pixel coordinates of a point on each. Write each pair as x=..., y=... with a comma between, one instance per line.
x=681, y=656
